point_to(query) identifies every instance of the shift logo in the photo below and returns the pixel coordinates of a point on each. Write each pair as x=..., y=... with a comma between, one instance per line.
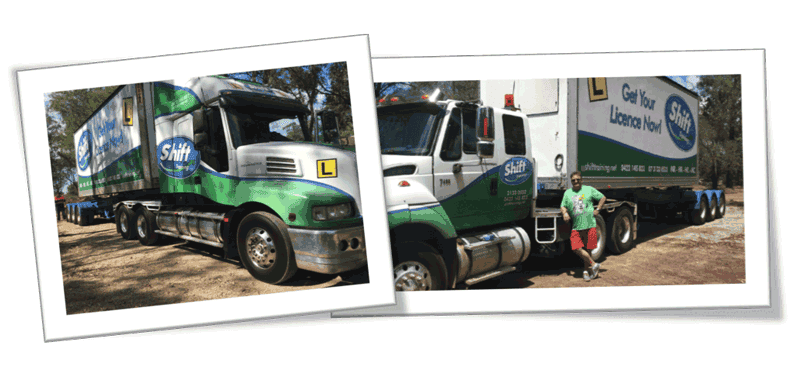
x=84, y=150
x=177, y=157
x=516, y=170
x=680, y=122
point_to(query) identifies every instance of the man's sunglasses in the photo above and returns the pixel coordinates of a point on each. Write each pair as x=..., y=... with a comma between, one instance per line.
x=576, y=180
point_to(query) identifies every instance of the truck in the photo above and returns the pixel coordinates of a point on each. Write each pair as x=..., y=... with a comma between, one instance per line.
x=474, y=187
x=227, y=163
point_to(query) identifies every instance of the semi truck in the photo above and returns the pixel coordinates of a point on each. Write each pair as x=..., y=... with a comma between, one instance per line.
x=227, y=163
x=474, y=187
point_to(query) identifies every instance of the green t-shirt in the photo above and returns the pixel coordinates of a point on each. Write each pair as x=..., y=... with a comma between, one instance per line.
x=581, y=206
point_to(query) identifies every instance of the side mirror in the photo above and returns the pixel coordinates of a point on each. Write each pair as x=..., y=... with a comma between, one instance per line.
x=199, y=122
x=485, y=149
x=485, y=126
x=330, y=126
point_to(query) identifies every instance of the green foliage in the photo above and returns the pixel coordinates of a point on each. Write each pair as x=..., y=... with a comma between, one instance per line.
x=66, y=112
x=720, y=149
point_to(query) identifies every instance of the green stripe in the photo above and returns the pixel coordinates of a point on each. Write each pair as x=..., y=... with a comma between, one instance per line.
x=167, y=100
x=124, y=170
x=603, y=153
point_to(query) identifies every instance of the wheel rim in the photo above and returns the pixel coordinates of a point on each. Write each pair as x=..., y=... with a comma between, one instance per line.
x=123, y=221
x=141, y=226
x=260, y=248
x=624, y=233
x=412, y=276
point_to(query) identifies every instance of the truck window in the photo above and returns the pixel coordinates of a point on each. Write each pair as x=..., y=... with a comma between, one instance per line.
x=408, y=129
x=254, y=126
x=470, y=120
x=216, y=153
x=514, y=134
x=451, y=147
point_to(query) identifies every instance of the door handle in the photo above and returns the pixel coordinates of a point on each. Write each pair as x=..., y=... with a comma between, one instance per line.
x=457, y=168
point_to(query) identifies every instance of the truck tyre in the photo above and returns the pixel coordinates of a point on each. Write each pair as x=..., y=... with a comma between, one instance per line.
x=125, y=222
x=69, y=214
x=620, y=235
x=84, y=217
x=265, y=248
x=418, y=267
x=698, y=215
x=712, y=209
x=721, y=206
x=598, y=251
x=146, y=227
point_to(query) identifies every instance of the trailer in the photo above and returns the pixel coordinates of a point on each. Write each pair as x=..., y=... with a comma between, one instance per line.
x=227, y=163
x=473, y=188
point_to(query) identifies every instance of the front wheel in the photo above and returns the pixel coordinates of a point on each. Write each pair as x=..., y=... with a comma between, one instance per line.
x=146, y=227
x=418, y=268
x=265, y=248
x=620, y=236
x=598, y=251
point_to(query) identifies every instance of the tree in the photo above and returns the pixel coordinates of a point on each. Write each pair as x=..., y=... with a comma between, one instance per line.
x=720, y=148
x=66, y=112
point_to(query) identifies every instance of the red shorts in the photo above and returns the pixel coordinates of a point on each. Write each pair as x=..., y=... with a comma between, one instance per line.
x=583, y=238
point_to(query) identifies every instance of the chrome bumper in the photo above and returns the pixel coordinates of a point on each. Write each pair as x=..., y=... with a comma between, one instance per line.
x=329, y=251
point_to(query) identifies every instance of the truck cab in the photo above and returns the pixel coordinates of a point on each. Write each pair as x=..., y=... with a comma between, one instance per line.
x=457, y=176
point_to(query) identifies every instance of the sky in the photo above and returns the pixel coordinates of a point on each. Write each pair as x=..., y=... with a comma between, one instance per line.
x=688, y=82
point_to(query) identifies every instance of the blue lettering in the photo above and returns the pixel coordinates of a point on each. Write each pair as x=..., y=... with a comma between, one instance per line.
x=627, y=95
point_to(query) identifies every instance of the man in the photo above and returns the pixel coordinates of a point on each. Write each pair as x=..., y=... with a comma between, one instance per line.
x=577, y=205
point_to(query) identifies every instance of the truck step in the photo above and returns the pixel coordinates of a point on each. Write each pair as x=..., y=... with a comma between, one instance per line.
x=190, y=238
x=490, y=275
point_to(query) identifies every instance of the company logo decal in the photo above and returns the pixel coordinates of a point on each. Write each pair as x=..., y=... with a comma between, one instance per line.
x=516, y=170
x=177, y=157
x=84, y=150
x=680, y=122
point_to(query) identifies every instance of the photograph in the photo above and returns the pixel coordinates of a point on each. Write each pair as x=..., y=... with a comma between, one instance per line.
x=616, y=167
x=502, y=184
x=215, y=186
x=234, y=175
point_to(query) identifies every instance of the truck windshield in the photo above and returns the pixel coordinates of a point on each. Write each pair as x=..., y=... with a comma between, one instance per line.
x=408, y=129
x=250, y=125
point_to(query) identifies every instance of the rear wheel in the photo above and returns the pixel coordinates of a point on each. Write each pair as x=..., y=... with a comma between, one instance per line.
x=146, y=227
x=598, y=251
x=721, y=206
x=85, y=217
x=418, y=268
x=699, y=215
x=69, y=213
x=712, y=209
x=265, y=248
x=125, y=222
x=620, y=236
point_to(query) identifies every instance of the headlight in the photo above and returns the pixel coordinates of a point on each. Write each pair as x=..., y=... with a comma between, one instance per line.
x=334, y=212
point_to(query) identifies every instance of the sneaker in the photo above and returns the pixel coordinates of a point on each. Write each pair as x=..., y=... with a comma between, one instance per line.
x=595, y=270
x=586, y=275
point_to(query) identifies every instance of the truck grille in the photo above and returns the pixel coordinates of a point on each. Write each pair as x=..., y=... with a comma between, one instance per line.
x=282, y=165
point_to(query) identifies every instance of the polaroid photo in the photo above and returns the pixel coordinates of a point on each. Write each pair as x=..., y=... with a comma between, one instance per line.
x=205, y=188
x=574, y=182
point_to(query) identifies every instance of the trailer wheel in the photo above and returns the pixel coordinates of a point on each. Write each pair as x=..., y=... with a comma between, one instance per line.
x=265, y=248
x=146, y=227
x=418, y=268
x=712, y=209
x=698, y=215
x=85, y=217
x=598, y=251
x=721, y=206
x=125, y=222
x=69, y=213
x=620, y=236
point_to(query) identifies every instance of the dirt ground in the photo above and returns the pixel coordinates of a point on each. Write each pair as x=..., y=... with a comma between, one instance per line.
x=664, y=254
x=101, y=271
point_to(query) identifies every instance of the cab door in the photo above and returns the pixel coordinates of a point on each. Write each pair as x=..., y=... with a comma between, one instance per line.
x=463, y=183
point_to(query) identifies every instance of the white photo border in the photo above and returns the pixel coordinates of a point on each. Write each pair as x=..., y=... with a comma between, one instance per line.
x=33, y=84
x=752, y=294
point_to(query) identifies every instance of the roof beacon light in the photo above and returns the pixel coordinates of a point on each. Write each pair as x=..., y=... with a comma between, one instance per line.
x=433, y=96
x=509, y=100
